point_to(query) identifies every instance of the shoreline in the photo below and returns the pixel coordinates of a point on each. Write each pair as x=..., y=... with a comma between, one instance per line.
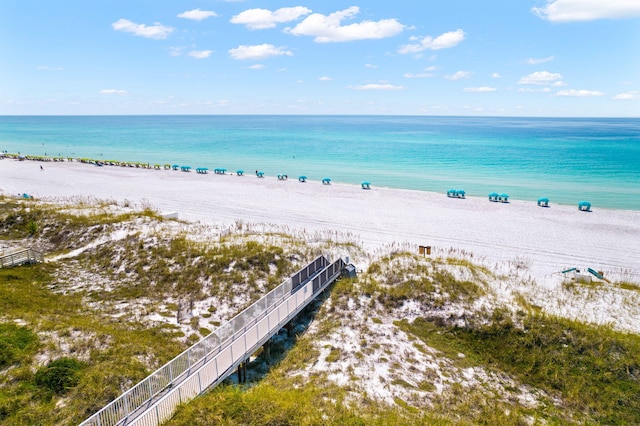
x=549, y=240
x=167, y=167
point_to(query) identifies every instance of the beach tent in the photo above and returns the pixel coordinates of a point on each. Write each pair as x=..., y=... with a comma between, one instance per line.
x=455, y=193
x=584, y=206
x=175, y=166
x=202, y=170
x=282, y=177
x=302, y=178
x=494, y=196
x=543, y=202
x=239, y=172
x=366, y=185
x=326, y=181
x=503, y=198
x=219, y=171
x=260, y=174
x=185, y=168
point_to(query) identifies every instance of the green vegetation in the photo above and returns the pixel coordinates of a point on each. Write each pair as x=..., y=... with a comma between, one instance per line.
x=59, y=376
x=16, y=343
x=595, y=371
x=267, y=404
x=111, y=348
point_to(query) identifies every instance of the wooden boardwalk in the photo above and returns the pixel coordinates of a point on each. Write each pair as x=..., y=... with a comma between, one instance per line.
x=218, y=355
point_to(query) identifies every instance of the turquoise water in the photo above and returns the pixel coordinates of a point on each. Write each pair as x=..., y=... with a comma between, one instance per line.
x=565, y=159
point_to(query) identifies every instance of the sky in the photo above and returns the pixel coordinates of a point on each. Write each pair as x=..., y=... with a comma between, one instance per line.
x=565, y=58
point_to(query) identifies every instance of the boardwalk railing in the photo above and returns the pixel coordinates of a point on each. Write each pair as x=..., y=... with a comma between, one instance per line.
x=20, y=257
x=215, y=357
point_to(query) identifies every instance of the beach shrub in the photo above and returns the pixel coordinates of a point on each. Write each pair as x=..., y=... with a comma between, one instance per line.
x=59, y=375
x=32, y=227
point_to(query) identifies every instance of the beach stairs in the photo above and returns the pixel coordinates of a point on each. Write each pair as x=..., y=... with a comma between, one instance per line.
x=20, y=257
x=218, y=355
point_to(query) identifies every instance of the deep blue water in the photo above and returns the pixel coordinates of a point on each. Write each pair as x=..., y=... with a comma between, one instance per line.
x=565, y=159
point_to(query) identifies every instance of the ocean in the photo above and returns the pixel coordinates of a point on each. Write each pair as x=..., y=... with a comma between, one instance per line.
x=565, y=159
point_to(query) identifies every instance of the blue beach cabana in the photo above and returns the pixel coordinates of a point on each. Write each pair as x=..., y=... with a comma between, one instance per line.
x=282, y=176
x=494, y=196
x=326, y=181
x=175, y=166
x=543, y=202
x=366, y=185
x=455, y=193
x=302, y=178
x=219, y=171
x=185, y=168
x=202, y=170
x=260, y=174
x=503, y=198
x=584, y=206
x=239, y=172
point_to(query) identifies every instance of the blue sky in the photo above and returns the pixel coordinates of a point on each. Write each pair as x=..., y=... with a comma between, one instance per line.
x=448, y=57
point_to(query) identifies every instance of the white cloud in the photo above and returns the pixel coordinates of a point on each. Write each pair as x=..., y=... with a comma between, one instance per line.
x=578, y=93
x=372, y=66
x=113, y=92
x=587, y=10
x=628, y=96
x=384, y=86
x=256, y=67
x=259, y=19
x=200, y=54
x=534, y=61
x=458, y=75
x=328, y=28
x=419, y=75
x=541, y=77
x=156, y=31
x=530, y=90
x=483, y=89
x=443, y=41
x=258, y=52
x=197, y=14
x=496, y=75
x=325, y=78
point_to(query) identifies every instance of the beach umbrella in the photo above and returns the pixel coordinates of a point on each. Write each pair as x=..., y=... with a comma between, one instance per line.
x=584, y=206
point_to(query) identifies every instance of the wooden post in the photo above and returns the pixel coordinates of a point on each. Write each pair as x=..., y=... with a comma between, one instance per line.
x=267, y=351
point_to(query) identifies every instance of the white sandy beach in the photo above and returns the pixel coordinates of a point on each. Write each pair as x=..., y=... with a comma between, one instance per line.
x=548, y=240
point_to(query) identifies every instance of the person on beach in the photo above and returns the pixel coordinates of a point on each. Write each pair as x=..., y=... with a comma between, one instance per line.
x=41, y=168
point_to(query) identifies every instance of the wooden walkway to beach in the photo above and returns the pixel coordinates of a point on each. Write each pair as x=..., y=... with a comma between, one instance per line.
x=218, y=355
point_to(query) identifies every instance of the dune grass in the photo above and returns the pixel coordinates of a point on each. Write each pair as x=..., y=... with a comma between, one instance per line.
x=593, y=370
